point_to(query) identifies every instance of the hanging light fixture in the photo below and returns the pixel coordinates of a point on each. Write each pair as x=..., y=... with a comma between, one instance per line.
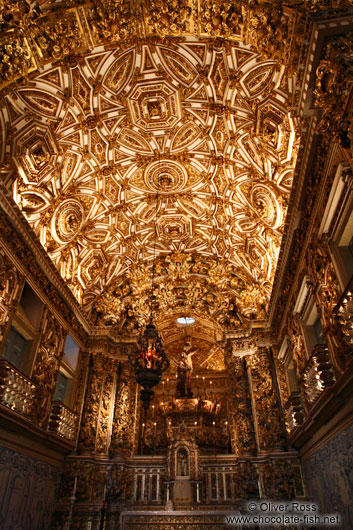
x=150, y=360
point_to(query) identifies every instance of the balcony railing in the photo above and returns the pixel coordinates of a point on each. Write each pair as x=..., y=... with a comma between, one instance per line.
x=16, y=390
x=318, y=373
x=344, y=311
x=63, y=422
x=294, y=411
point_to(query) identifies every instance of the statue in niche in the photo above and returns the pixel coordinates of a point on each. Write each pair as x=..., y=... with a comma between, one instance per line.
x=185, y=368
x=182, y=463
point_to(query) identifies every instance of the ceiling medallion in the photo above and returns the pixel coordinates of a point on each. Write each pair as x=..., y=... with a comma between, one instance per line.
x=67, y=220
x=168, y=174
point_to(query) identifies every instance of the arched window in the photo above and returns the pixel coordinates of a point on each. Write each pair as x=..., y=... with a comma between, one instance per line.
x=182, y=463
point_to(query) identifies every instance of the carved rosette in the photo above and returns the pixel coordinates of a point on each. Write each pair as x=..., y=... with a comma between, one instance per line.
x=49, y=355
x=270, y=425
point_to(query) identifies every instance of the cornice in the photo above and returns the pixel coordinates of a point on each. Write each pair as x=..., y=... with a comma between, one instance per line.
x=309, y=115
x=19, y=223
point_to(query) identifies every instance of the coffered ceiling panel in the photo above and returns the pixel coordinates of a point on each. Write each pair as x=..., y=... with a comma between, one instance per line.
x=134, y=155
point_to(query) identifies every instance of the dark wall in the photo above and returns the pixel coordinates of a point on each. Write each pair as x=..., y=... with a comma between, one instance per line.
x=27, y=491
x=329, y=477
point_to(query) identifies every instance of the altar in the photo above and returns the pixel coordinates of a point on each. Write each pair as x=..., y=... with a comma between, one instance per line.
x=171, y=520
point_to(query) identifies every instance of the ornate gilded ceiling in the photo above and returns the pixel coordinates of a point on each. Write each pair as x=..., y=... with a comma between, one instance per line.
x=173, y=151
x=202, y=125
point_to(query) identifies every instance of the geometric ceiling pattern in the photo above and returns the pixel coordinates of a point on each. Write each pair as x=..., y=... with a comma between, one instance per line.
x=167, y=152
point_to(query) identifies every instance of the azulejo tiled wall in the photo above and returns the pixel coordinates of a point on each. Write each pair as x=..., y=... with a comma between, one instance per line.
x=27, y=491
x=329, y=476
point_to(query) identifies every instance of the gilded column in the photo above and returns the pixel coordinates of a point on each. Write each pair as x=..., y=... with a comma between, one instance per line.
x=81, y=380
x=269, y=422
x=282, y=382
x=327, y=293
x=49, y=354
x=241, y=418
x=297, y=344
x=122, y=442
x=11, y=283
x=96, y=424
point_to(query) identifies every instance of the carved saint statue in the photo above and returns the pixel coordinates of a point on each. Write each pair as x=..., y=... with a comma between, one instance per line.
x=182, y=463
x=185, y=367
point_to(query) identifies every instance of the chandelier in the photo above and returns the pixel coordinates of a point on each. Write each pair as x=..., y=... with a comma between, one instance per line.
x=150, y=360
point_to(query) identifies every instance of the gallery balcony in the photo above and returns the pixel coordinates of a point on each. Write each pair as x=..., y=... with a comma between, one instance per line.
x=63, y=421
x=344, y=311
x=17, y=392
x=17, y=397
x=294, y=411
x=318, y=373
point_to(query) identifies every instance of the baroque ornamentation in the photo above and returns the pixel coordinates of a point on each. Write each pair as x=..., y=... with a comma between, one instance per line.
x=270, y=424
x=209, y=132
x=11, y=239
x=95, y=434
x=282, y=381
x=10, y=289
x=297, y=342
x=328, y=292
x=89, y=422
x=82, y=374
x=124, y=417
x=242, y=429
x=281, y=479
x=49, y=355
x=332, y=91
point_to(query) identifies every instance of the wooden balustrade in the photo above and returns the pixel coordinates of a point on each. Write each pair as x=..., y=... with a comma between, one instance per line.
x=318, y=373
x=16, y=390
x=294, y=411
x=63, y=421
x=344, y=311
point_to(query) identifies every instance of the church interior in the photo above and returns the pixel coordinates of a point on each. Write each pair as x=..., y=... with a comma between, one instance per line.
x=176, y=260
